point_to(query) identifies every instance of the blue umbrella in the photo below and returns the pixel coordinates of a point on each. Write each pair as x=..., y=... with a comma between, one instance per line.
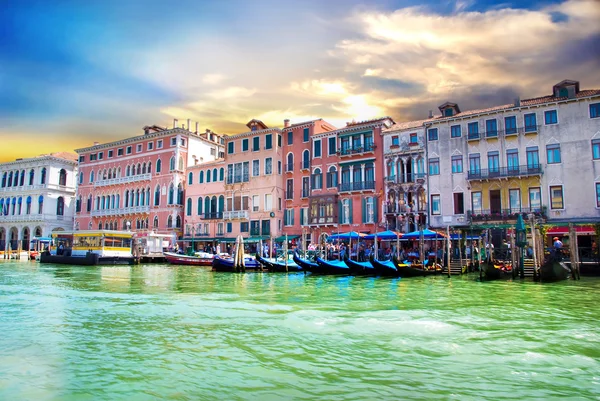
x=346, y=236
x=427, y=234
x=384, y=236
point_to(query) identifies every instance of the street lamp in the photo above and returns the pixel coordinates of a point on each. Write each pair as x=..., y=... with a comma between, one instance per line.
x=521, y=241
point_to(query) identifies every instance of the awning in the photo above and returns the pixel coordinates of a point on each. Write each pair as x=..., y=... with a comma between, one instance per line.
x=580, y=230
x=224, y=239
x=469, y=237
x=289, y=237
x=257, y=238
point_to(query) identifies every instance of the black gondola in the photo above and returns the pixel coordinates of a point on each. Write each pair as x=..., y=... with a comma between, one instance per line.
x=306, y=265
x=278, y=266
x=489, y=271
x=554, y=269
x=406, y=270
x=360, y=268
x=226, y=264
x=334, y=267
x=384, y=268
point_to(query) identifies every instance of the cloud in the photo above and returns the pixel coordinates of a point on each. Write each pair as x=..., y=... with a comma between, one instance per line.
x=213, y=79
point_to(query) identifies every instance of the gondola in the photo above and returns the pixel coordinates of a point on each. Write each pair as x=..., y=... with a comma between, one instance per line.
x=305, y=264
x=334, y=267
x=384, y=268
x=360, y=268
x=226, y=264
x=491, y=271
x=554, y=269
x=410, y=270
x=278, y=265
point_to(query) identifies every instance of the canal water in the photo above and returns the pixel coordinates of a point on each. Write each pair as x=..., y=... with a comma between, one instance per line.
x=159, y=332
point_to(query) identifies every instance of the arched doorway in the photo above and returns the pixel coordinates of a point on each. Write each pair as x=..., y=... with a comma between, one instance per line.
x=26, y=238
x=37, y=232
x=13, y=238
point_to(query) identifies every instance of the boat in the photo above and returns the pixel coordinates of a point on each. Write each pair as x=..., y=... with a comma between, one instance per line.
x=334, y=267
x=360, y=268
x=384, y=268
x=198, y=259
x=278, y=265
x=225, y=263
x=90, y=248
x=495, y=271
x=413, y=270
x=554, y=269
x=305, y=264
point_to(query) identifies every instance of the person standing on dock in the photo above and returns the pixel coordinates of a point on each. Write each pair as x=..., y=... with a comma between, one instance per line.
x=557, y=247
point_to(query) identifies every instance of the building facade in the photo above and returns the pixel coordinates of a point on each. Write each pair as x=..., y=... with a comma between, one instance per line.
x=36, y=198
x=538, y=156
x=139, y=183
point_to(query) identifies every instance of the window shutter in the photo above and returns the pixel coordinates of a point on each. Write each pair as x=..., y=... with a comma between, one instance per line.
x=341, y=213
x=285, y=218
x=301, y=216
x=350, y=200
x=364, y=210
x=293, y=215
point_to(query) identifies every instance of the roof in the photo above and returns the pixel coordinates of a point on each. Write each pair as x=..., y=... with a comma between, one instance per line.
x=64, y=155
x=368, y=122
x=257, y=122
x=407, y=125
x=551, y=98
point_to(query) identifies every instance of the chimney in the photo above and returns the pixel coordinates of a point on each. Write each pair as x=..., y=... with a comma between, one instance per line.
x=430, y=114
x=286, y=123
x=517, y=102
x=175, y=123
x=196, y=127
x=189, y=125
x=96, y=143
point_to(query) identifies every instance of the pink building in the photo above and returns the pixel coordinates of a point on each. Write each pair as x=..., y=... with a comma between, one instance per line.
x=138, y=183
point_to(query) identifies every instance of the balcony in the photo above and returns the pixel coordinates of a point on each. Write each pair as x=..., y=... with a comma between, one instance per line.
x=289, y=167
x=254, y=232
x=530, y=129
x=357, y=150
x=211, y=216
x=305, y=165
x=504, y=214
x=323, y=220
x=36, y=187
x=305, y=193
x=235, y=215
x=121, y=211
x=395, y=209
x=33, y=217
x=238, y=178
x=357, y=186
x=504, y=172
x=391, y=178
x=473, y=137
x=289, y=195
x=409, y=178
x=123, y=180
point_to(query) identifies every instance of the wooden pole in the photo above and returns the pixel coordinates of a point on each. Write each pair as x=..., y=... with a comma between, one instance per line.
x=534, y=242
x=376, y=248
x=513, y=253
x=448, y=249
x=285, y=253
x=574, y=252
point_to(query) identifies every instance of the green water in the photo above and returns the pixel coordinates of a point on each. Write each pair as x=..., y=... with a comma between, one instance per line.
x=159, y=332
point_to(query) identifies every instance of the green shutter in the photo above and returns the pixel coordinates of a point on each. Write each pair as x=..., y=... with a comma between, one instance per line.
x=351, y=201
x=375, y=208
x=293, y=215
x=341, y=213
x=285, y=218
x=364, y=210
x=301, y=216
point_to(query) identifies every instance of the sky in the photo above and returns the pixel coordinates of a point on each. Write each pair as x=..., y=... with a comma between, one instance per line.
x=73, y=72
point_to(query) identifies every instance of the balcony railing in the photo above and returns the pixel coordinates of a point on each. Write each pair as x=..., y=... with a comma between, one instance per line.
x=505, y=214
x=323, y=220
x=255, y=232
x=289, y=195
x=235, y=214
x=410, y=178
x=236, y=179
x=393, y=209
x=357, y=150
x=289, y=167
x=502, y=172
x=33, y=217
x=530, y=129
x=211, y=216
x=121, y=211
x=391, y=178
x=305, y=193
x=123, y=180
x=35, y=187
x=357, y=186
x=305, y=165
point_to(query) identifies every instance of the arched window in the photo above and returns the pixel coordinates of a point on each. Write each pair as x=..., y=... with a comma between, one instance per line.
x=117, y=201
x=157, y=196
x=221, y=174
x=128, y=171
x=368, y=210
x=190, y=178
x=201, y=177
x=16, y=181
x=172, y=163
x=41, y=204
x=9, y=183
x=207, y=207
x=178, y=222
x=346, y=212
x=143, y=198
x=22, y=180
x=290, y=162
x=126, y=198
x=158, y=165
x=62, y=177
x=80, y=178
x=100, y=226
x=317, y=179
x=89, y=203
x=110, y=174
x=306, y=159
x=155, y=223
x=171, y=194
x=43, y=179
x=19, y=202
x=221, y=204
x=76, y=226
x=91, y=176
x=144, y=168
x=180, y=194
x=207, y=175
x=148, y=196
x=199, y=206
x=104, y=174
x=214, y=175
x=4, y=180
x=170, y=222
x=28, y=205
x=213, y=207
x=189, y=207
x=180, y=163
x=138, y=224
x=139, y=169
x=31, y=176
x=149, y=168
x=332, y=177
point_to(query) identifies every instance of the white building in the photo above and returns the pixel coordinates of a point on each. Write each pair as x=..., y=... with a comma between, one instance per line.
x=36, y=198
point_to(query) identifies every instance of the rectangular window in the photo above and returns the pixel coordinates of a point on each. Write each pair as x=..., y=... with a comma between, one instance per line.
x=279, y=140
x=120, y=152
x=556, y=197
x=174, y=141
x=256, y=144
x=245, y=143
x=494, y=162
x=455, y=131
x=435, y=205
x=553, y=153
x=473, y=130
x=255, y=168
x=100, y=155
x=595, y=110
x=150, y=145
x=434, y=166
x=305, y=187
x=432, y=134
x=128, y=151
x=551, y=117
x=138, y=148
x=395, y=141
x=510, y=125
x=533, y=157
x=229, y=227
x=305, y=135
x=535, y=199
x=317, y=148
x=598, y=194
x=269, y=141
x=491, y=128
x=255, y=203
x=459, y=203
x=514, y=200
x=290, y=136
x=457, y=164
x=244, y=227
x=512, y=160
x=268, y=202
x=289, y=193
x=81, y=159
x=476, y=205
x=414, y=138
x=474, y=164
x=230, y=147
x=530, y=122
x=596, y=149
x=159, y=144
x=110, y=154
x=268, y=166
x=279, y=167
x=332, y=146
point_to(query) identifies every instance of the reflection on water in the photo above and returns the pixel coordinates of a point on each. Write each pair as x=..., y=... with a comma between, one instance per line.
x=185, y=333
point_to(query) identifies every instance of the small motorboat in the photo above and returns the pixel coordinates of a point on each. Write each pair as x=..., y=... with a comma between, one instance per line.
x=305, y=264
x=225, y=263
x=198, y=259
x=278, y=265
x=334, y=267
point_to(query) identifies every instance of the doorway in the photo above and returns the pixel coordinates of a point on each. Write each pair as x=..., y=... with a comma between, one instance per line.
x=495, y=202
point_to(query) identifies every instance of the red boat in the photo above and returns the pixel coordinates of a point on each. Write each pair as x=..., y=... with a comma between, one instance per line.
x=203, y=259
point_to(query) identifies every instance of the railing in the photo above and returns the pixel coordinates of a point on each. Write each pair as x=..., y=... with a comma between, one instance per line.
x=305, y=165
x=356, y=186
x=235, y=214
x=358, y=149
x=504, y=214
x=500, y=172
x=410, y=178
x=255, y=232
x=121, y=211
x=123, y=180
x=530, y=129
x=392, y=209
x=323, y=220
x=473, y=136
x=22, y=188
x=211, y=216
x=305, y=193
x=289, y=195
x=391, y=178
x=33, y=217
x=236, y=179
x=289, y=167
